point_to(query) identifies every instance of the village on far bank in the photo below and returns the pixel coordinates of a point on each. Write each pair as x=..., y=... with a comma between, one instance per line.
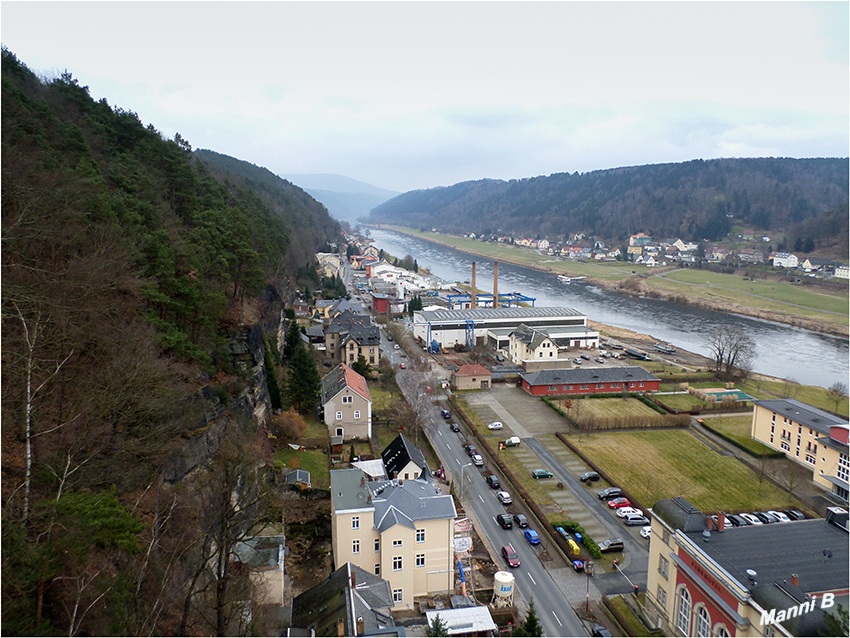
x=435, y=394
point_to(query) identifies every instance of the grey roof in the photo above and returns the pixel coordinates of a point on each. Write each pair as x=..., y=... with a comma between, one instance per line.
x=315, y=331
x=343, y=305
x=465, y=621
x=399, y=453
x=628, y=374
x=363, y=335
x=482, y=314
x=679, y=514
x=802, y=413
x=259, y=552
x=321, y=606
x=405, y=502
x=298, y=476
x=343, y=321
x=349, y=490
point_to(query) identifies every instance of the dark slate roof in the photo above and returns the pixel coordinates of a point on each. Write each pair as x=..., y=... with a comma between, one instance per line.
x=399, y=453
x=321, y=606
x=589, y=375
x=679, y=514
x=343, y=305
x=783, y=595
x=343, y=321
x=315, y=331
x=802, y=413
x=364, y=335
x=405, y=502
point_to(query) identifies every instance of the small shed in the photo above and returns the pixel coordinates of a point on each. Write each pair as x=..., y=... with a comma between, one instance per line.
x=301, y=478
x=472, y=377
x=336, y=445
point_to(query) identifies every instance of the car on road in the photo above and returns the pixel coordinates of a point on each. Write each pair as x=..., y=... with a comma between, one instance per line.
x=600, y=631
x=510, y=556
x=531, y=536
x=396, y=347
x=622, y=512
x=389, y=337
x=493, y=481
x=636, y=519
x=612, y=545
x=646, y=531
x=751, y=520
x=505, y=521
x=504, y=497
x=520, y=520
x=620, y=501
x=403, y=366
x=608, y=493
x=477, y=459
x=470, y=450
x=587, y=477
x=445, y=414
x=454, y=427
x=539, y=474
x=495, y=425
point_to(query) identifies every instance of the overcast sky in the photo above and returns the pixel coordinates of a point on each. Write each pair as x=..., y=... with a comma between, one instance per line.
x=408, y=95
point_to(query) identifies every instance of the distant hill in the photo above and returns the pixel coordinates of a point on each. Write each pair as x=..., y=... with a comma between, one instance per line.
x=345, y=198
x=692, y=200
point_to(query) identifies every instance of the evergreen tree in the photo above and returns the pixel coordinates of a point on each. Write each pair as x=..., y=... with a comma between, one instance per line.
x=531, y=624
x=361, y=367
x=292, y=340
x=436, y=628
x=303, y=383
x=271, y=379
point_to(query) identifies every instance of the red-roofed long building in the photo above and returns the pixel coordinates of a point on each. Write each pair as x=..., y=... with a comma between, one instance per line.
x=347, y=404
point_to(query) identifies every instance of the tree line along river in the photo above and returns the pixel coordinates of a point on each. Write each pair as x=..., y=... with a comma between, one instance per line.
x=782, y=351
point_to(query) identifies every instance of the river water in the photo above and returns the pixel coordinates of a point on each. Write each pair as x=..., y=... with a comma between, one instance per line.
x=782, y=351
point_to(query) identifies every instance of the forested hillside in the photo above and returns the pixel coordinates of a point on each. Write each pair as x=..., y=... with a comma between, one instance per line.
x=692, y=200
x=127, y=269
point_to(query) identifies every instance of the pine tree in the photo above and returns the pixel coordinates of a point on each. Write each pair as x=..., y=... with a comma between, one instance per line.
x=436, y=628
x=292, y=340
x=303, y=383
x=361, y=367
x=531, y=625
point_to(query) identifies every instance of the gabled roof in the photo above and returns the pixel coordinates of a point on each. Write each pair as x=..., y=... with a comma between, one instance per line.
x=406, y=502
x=679, y=514
x=342, y=305
x=342, y=377
x=472, y=370
x=344, y=320
x=802, y=413
x=399, y=453
x=363, y=335
x=630, y=374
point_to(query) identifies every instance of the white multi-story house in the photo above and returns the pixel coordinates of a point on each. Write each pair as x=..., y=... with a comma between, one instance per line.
x=347, y=404
x=785, y=260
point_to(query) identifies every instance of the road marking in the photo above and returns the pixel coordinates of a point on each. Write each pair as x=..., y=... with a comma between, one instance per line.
x=479, y=496
x=449, y=447
x=532, y=578
x=558, y=619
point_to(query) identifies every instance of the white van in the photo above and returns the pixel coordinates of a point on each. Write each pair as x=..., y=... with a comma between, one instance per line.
x=512, y=442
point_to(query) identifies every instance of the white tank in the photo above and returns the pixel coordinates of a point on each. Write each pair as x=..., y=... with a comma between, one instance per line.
x=503, y=584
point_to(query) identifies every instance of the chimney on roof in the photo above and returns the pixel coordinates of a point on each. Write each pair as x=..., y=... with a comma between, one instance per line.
x=361, y=626
x=721, y=521
x=340, y=628
x=795, y=580
x=496, y=284
x=472, y=302
x=353, y=580
x=710, y=523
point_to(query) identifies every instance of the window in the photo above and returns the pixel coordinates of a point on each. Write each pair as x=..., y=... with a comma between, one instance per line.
x=371, y=349
x=377, y=569
x=355, y=522
x=420, y=535
x=377, y=544
x=666, y=537
x=372, y=358
x=396, y=563
x=663, y=563
x=339, y=431
x=703, y=622
x=397, y=543
x=397, y=597
x=810, y=459
x=662, y=597
x=355, y=547
x=843, y=467
x=683, y=614
x=785, y=446
x=348, y=399
x=420, y=560
x=721, y=632
x=339, y=416
x=357, y=414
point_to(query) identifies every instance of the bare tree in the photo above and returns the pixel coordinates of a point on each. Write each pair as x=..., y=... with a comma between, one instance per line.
x=837, y=392
x=731, y=348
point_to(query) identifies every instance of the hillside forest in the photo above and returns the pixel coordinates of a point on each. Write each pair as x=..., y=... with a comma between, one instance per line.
x=806, y=199
x=136, y=272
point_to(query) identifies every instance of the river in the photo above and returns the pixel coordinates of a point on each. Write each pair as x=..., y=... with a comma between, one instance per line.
x=782, y=351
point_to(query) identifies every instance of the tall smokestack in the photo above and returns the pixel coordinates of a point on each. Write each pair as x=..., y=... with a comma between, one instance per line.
x=472, y=303
x=496, y=284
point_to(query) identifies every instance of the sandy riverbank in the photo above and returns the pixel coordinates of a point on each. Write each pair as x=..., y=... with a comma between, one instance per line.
x=638, y=287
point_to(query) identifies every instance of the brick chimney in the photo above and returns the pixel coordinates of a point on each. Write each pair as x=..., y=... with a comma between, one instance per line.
x=710, y=522
x=721, y=521
x=795, y=580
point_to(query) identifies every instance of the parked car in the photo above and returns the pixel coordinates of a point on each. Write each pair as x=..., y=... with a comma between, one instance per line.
x=521, y=520
x=587, y=477
x=495, y=425
x=578, y=565
x=403, y=366
x=646, y=531
x=764, y=518
x=532, y=537
x=751, y=520
x=586, y=357
x=781, y=517
x=577, y=361
x=510, y=556
x=454, y=427
x=612, y=545
x=446, y=414
x=470, y=450
x=504, y=497
x=505, y=521
x=396, y=347
x=794, y=515
x=493, y=481
x=608, y=493
x=389, y=337
x=477, y=459
x=622, y=512
x=736, y=520
x=563, y=533
x=620, y=501
x=599, y=630
x=636, y=519
x=599, y=360
x=512, y=441
x=539, y=474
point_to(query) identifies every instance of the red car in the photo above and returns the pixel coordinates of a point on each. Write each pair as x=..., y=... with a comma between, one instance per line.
x=619, y=502
x=403, y=366
x=510, y=556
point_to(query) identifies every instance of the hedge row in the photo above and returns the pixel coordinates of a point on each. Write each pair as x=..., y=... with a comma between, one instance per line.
x=663, y=421
x=586, y=539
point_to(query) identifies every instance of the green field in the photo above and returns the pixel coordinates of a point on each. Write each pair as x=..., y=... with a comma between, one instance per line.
x=738, y=428
x=681, y=401
x=811, y=394
x=608, y=407
x=314, y=461
x=777, y=296
x=664, y=464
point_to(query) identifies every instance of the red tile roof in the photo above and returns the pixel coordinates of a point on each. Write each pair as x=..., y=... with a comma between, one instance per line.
x=356, y=382
x=472, y=370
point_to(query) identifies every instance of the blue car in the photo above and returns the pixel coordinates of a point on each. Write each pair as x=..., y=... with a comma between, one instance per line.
x=532, y=537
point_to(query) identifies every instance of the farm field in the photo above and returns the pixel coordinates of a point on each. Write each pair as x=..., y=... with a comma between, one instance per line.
x=738, y=428
x=608, y=407
x=664, y=464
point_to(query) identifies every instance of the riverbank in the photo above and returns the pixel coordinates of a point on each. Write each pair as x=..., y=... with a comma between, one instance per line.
x=623, y=281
